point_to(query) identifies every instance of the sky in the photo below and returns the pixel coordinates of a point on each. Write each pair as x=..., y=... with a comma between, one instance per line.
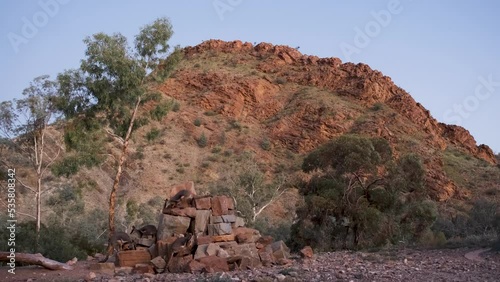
x=444, y=53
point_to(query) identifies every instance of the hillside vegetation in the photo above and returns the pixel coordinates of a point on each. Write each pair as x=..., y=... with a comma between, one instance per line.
x=227, y=105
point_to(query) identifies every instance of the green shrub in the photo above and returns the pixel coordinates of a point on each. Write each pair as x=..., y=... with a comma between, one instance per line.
x=176, y=106
x=153, y=134
x=202, y=141
x=281, y=80
x=234, y=124
x=212, y=158
x=56, y=242
x=210, y=113
x=197, y=122
x=216, y=149
x=132, y=208
x=342, y=210
x=265, y=144
x=377, y=107
x=161, y=110
x=138, y=154
x=66, y=167
x=482, y=217
x=277, y=231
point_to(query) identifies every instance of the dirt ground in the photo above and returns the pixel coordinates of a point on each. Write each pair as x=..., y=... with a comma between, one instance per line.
x=395, y=265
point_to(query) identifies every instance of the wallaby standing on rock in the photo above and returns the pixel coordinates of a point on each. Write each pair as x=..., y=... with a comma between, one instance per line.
x=145, y=231
x=120, y=242
x=181, y=199
x=181, y=245
x=181, y=195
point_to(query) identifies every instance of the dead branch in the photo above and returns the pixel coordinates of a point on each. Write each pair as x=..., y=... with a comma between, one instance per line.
x=36, y=259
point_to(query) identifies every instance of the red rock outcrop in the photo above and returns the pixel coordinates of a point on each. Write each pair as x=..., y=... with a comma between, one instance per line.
x=303, y=101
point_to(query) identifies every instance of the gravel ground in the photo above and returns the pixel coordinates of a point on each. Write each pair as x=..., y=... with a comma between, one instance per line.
x=395, y=265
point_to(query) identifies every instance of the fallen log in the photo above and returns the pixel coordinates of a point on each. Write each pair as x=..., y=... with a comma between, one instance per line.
x=37, y=259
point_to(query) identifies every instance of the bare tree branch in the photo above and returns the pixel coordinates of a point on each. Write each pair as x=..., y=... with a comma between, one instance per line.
x=25, y=186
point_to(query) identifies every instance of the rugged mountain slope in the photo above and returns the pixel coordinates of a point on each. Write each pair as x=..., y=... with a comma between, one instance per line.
x=280, y=105
x=300, y=102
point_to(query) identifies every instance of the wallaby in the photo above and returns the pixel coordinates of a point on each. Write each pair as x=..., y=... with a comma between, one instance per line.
x=181, y=195
x=181, y=244
x=181, y=199
x=146, y=230
x=120, y=242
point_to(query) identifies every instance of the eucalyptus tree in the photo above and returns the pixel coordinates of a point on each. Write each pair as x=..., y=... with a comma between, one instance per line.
x=113, y=82
x=24, y=125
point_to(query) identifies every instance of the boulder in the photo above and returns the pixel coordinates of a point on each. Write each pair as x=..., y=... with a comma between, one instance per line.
x=171, y=225
x=266, y=256
x=188, y=211
x=195, y=267
x=219, y=229
x=306, y=252
x=221, y=205
x=153, y=250
x=280, y=250
x=246, y=235
x=133, y=257
x=203, y=203
x=90, y=276
x=204, y=240
x=146, y=242
x=241, y=250
x=239, y=222
x=214, y=264
x=212, y=249
x=142, y=268
x=201, y=221
x=222, y=253
x=247, y=262
x=123, y=271
x=228, y=246
x=159, y=263
x=201, y=251
x=264, y=241
x=223, y=238
x=229, y=218
x=179, y=264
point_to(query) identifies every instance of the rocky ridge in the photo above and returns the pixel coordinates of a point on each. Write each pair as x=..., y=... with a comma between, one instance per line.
x=302, y=101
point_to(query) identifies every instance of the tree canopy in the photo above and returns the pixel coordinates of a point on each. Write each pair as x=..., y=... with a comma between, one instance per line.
x=359, y=191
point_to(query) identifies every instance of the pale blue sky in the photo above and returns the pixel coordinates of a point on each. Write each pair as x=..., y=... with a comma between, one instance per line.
x=439, y=51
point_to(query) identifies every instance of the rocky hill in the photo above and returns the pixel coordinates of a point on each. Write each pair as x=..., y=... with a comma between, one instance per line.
x=279, y=104
x=299, y=102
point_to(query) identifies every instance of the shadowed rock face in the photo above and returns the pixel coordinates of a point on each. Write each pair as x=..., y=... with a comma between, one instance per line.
x=303, y=101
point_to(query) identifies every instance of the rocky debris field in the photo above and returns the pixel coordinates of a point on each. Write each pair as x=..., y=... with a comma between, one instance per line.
x=394, y=265
x=401, y=265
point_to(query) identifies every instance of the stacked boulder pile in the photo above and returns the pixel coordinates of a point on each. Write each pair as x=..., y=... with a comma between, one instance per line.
x=202, y=234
